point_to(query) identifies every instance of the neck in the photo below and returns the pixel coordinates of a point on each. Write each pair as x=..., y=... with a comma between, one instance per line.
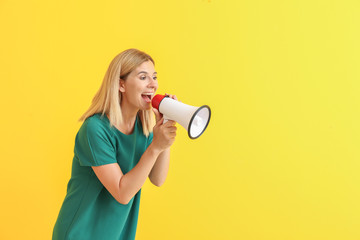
x=129, y=117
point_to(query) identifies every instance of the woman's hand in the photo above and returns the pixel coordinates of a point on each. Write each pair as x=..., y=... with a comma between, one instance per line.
x=172, y=96
x=164, y=133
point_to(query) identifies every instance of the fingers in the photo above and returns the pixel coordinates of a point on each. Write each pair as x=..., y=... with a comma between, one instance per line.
x=169, y=128
x=159, y=122
x=164, y=133
x=171, y=131
x=171, y=134
x=172, y=96
x=158, y=115
x=170, y=123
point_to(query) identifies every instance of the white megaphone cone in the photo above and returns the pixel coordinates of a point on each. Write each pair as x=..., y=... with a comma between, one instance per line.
x=193, y=119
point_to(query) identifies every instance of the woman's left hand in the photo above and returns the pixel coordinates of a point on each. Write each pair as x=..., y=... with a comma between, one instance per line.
x=172, y=96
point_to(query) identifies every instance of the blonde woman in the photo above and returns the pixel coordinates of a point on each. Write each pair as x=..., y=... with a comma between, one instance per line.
x=116, y=150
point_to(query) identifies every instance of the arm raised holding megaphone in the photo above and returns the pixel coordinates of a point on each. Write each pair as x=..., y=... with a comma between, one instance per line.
x=163, y=137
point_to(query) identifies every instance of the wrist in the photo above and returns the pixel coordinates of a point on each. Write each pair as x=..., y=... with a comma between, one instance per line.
x=154, y=150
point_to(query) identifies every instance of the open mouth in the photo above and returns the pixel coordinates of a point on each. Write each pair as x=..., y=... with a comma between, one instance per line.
x=147, y=97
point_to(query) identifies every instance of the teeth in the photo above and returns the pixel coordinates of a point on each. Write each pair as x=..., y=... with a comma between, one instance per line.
x=148, y=94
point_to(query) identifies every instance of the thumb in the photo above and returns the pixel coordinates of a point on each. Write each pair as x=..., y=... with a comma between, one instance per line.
x=159, y=122
x=158, y=115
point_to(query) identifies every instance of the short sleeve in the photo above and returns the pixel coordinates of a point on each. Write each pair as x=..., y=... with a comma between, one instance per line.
x=93, y=144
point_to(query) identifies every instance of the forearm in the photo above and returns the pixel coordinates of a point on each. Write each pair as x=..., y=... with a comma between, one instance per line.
x=160, y=169
x=131, y=182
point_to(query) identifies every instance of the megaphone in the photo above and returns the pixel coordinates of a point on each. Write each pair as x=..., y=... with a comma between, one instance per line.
x=193, y=119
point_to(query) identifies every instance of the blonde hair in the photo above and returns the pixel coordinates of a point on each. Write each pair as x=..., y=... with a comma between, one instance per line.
x=107, y=100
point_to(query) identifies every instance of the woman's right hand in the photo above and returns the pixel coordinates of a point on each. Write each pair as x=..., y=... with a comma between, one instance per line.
x=164, y=134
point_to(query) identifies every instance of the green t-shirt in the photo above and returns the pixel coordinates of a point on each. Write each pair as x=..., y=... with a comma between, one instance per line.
x=89, y=211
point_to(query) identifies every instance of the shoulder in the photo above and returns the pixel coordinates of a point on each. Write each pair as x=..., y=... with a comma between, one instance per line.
x=97, y=120
x=95, y=126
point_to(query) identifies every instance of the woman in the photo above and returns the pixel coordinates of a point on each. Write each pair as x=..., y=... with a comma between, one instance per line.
x=115, y=151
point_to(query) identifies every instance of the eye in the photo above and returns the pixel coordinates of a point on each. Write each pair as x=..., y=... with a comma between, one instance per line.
x=143, y=77
x=155, y=78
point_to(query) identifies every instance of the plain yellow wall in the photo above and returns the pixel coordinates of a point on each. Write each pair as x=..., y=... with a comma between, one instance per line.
x=280, y=158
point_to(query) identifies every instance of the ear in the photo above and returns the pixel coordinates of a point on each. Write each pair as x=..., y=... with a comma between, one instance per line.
x=122, y=85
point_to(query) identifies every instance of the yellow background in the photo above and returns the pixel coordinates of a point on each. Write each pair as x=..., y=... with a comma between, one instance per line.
x=280, y=158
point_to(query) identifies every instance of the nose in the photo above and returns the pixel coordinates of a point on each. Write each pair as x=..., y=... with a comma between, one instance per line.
x=152, y=83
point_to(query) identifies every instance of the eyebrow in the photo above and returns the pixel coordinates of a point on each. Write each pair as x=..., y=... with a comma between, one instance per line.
x=145, y=72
